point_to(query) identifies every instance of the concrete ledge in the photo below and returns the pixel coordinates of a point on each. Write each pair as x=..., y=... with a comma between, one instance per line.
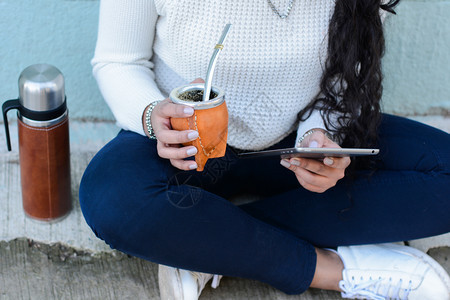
x=86, y=140
x=32, y=270
x=66, y=261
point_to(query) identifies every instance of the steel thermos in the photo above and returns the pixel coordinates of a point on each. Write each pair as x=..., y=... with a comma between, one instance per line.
x=44, y=151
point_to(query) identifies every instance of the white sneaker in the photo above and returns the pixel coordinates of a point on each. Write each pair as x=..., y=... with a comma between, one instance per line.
x=179, y=284
x=390, y=271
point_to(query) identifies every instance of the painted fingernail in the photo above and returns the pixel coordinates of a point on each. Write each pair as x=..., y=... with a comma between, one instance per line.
x=192, y=135
x=328, y=161
x=313, y=144
x=191, y=151
x=285, y=163
x=193, y=166
x=295, y=162
x=189, y=110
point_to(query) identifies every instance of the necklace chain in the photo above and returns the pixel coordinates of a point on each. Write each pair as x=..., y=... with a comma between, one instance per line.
x=287, y=11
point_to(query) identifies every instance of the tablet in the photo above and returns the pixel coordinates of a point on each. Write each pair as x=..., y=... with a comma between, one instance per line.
x=311, y=152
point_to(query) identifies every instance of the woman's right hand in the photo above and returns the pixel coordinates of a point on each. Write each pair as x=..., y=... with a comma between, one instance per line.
x=169, y=140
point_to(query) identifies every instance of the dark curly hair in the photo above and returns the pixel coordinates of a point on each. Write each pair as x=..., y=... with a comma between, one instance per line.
x=351, y=82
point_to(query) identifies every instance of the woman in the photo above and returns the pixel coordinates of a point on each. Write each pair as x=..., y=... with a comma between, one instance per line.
x=306, y=74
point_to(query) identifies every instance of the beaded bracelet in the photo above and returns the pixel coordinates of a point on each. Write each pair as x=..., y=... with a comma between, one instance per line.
x=148, y=123
x=311, y=131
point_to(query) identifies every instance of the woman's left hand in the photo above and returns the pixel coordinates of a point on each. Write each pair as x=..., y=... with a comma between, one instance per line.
x=315, y=175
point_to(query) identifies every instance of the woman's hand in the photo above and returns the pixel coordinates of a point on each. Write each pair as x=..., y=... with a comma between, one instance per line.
x=168, y=140
x=314, y=175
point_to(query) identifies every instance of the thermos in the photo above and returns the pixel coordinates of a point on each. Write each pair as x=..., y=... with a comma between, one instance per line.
x=44, y=151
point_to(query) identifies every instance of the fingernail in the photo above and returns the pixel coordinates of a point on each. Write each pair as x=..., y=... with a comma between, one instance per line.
x=189, y=110
x=295, y=162
x=285, y=163
x=191, y=151
x=193, y=166
x=192, y=135
x=313, y=144
x=328, y=161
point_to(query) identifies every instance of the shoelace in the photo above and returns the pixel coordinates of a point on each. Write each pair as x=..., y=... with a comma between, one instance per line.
x=367, y=289
x=203, y=278
x=215, y=282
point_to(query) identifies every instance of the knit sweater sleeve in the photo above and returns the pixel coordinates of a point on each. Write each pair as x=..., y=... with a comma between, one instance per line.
x=121, y=64
x=314, y=121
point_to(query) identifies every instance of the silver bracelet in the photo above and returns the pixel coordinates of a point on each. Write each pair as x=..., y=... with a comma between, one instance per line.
x=311, y=131
x=148, y=123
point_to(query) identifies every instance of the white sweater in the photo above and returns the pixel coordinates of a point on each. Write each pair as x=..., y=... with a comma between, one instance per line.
x=270, y=68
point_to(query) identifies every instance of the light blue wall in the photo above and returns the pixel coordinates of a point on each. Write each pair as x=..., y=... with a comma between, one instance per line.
x=58, y=32
x=63, y=33
x=417, y=61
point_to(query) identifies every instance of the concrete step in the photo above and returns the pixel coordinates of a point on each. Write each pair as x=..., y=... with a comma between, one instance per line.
x=31, y=270
x=65, y=260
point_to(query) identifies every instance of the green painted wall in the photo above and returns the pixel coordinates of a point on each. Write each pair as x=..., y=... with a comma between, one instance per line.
x=63, y=33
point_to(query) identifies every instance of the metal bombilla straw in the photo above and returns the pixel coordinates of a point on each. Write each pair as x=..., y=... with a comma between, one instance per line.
x=212, y=62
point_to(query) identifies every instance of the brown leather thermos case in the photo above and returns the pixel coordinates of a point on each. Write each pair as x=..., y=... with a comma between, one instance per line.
x=43, y=142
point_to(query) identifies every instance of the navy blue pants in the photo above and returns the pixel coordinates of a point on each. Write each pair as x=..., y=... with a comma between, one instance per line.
x=139, y=204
